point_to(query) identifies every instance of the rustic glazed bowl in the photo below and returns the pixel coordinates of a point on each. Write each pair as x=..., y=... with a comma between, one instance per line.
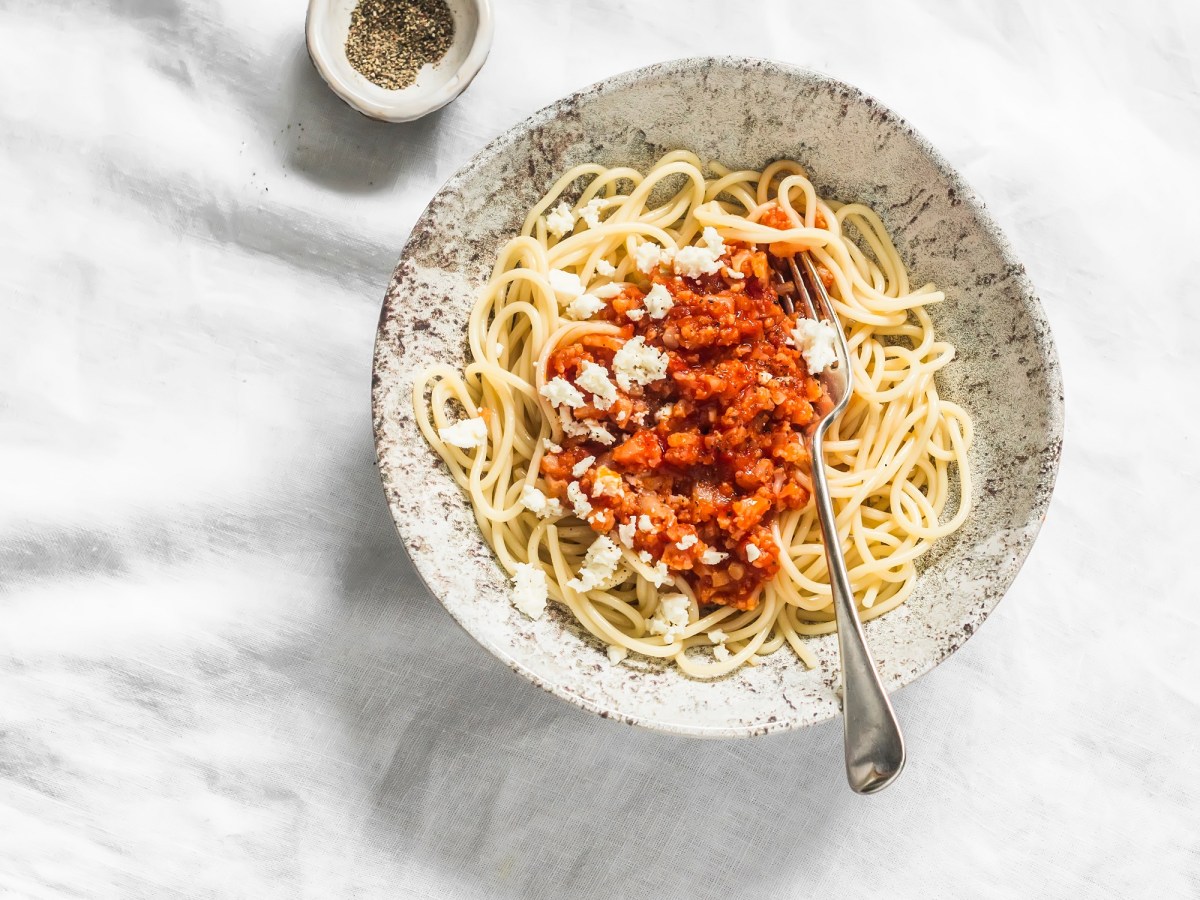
x=743, y=113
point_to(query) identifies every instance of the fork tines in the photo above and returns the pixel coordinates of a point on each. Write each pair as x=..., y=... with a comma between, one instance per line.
x=810, y=293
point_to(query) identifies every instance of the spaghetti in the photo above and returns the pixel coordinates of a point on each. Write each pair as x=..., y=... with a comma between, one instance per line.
x=635, y=401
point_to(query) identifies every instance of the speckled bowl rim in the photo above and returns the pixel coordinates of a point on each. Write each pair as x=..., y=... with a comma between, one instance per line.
x=1054, y=398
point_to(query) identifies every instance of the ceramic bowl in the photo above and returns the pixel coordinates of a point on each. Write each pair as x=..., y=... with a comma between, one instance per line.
x=325, y=31
x=744, y=113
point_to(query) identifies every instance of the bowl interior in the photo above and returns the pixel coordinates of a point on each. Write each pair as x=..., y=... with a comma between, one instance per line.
x=328, y=27
x=744, y=113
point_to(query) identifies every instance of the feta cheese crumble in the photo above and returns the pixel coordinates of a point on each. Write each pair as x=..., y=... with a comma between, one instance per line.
x=616, y=654
x=567, y=285
x=752, y=552
x=591, y=212
x=538, y=503
x=637, y=363
x=688, y=540
x=560, y=220
x=605, y=268
x=594, y=378
x=581, y=467
x=530, y=591
x=598, y=565
x=561, y=392
x=649, y=256
x=550, y=447
x=634, y=315
x=711, y=557
x=717, y=636
x=607, y=291
x=590, y=430
x=671, y=618
x=626, y=532
x=721, y=652
x=579, y=500
x=644, y=524
x=664, y=413
x=658, y=301
x=703, y=258
x=466, y=434
x=816, y=341
x=584, y=307
x=765, y=377
x=607, y=484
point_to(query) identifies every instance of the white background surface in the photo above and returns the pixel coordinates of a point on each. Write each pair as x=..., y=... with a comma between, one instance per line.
x=219, y=675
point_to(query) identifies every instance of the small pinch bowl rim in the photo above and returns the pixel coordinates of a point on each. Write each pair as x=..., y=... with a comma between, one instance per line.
x=402, y=106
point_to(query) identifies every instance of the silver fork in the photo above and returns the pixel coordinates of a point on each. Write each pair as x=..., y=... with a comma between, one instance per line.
x=873, y=742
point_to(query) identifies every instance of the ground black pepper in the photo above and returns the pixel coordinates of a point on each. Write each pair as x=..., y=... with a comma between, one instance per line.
x=390, y=40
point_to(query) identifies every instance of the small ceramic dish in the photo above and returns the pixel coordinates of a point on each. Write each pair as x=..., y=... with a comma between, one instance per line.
x=327, y=26
x=744, y=113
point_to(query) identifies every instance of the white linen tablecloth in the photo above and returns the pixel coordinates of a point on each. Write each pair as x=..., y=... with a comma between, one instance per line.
x=219, y=674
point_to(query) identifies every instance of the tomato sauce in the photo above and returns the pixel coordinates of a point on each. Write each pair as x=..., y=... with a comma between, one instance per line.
x=708, y=456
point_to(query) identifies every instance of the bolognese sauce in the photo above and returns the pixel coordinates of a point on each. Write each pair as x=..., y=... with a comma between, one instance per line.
x=702, y=459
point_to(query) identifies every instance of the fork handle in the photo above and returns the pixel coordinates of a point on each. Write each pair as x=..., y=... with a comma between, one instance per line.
x=874, y=744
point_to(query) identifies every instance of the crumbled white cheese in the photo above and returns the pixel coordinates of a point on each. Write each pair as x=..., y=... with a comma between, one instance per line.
x=649, y=256
x=605, y=268
x=560, y=220
x=550, y=447
x=578, y=500
x=584, y=307
x=538, y=503
x=764, y=377
x=580, y=468
x=752, y=552
x=671, y=618
x=530, y=591
x=717, y=636
x=585, y=429
x=594, y=378
x=616, y=654
x=711, y=557
x=567, y=285
x=644, y=556
x=637, y=363
x=711, y=238
x=626, y=532
x=499, y=348
x=816, y=341
x=644, y=524
x=660, y=574
x=598, y=566
x=607, y=291
x=664, y=413
x=591, y=212
x=721, y=652
x=634, y=315
x=466, y=433
x=703, y=258
x=559, y=391
x=607, y=484
x=688, y=540
x=658, y=301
